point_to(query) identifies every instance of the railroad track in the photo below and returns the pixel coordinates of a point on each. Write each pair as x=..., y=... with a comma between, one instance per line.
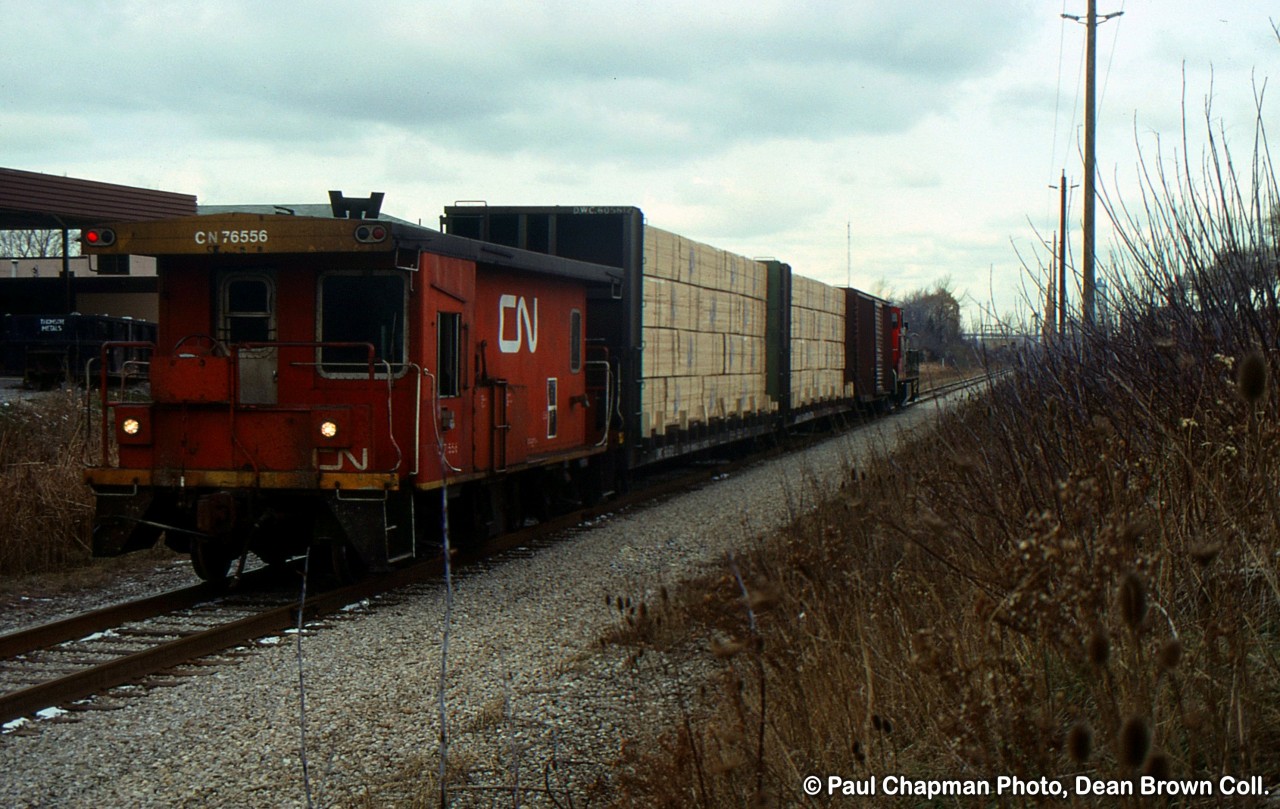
x=63, y=663
x=951, y=386
x=58, y=664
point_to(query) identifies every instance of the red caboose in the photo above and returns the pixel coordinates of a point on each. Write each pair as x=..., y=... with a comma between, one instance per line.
x=317, y=381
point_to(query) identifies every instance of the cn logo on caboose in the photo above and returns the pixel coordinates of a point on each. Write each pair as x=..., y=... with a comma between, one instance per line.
x=526, y=325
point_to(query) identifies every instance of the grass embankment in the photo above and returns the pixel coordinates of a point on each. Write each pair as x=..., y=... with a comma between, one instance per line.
x=1071, y=578
x=1077, y=576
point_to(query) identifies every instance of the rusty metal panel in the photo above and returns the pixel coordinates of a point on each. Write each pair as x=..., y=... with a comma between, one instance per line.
x=197, y=379
x=241, y=234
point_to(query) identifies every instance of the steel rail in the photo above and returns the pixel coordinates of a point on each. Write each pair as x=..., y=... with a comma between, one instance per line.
x=42, y=636
x=130, y=668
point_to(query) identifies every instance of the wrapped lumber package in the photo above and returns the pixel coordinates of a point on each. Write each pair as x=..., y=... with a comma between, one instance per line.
x=817, y=343
x=703, y=326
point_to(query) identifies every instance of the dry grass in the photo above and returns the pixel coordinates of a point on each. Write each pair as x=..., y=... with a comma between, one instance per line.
x=1077, y=576
x=47, y=511
x=1063, y=592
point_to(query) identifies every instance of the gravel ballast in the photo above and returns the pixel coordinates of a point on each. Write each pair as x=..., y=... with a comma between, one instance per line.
x=529, y=682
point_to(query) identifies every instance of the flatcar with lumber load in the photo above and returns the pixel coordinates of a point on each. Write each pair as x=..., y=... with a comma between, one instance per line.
x=351, y=384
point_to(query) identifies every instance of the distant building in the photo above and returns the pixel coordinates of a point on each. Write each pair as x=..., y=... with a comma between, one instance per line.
x=59, y=285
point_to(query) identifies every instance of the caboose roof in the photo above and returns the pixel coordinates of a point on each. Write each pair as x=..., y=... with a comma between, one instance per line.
x=498, y=255
x=330, y=234
x=308, y=209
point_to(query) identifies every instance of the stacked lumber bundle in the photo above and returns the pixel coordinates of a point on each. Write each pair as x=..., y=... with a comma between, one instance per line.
x=817, y=342
x=704, y=334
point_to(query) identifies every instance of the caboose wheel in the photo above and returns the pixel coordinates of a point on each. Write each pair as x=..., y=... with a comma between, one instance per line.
x=345, y=562
x=211, y=559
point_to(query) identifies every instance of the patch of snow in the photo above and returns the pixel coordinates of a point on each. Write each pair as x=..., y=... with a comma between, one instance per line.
x=10, y=727
x=106, y=633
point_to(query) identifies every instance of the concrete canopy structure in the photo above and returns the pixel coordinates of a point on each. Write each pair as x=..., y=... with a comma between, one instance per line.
x=33, y=201
x=29, y=200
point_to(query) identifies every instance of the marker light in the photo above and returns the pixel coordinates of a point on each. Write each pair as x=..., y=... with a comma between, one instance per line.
x=130, y=426
x=100, y=237
x=328, y=429
x=371, y=233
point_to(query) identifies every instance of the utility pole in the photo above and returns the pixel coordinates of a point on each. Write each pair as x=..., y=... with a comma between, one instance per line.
x=1051, y=301
x=1090, y=137
x=1062, y=255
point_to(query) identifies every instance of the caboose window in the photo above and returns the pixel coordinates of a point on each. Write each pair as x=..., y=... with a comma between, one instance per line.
x=246, y=308
x=362, y=308
x=448, y=352
x=575, y=341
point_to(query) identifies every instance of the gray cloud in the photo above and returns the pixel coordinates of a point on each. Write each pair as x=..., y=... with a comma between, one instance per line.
x=934, y=128
x=600, y=81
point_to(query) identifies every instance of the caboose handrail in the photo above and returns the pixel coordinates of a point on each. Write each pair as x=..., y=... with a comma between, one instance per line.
x=608, y=400
x=102, y=384
x=370, y=361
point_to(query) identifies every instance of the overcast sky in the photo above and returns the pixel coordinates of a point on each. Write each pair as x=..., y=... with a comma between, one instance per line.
x=929, y=130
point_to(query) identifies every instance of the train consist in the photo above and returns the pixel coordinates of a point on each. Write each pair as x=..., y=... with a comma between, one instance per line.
x=332, y=383
x=47, y=350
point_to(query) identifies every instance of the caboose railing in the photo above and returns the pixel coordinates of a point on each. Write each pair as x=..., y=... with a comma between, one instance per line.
x=370, y=364
x=229, y=386
x=103, y=390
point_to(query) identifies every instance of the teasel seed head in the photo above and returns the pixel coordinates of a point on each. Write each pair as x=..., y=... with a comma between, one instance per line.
x=1157, y=765
x=1135, y=741
x=1170, y=654
x=1205, y=553
x=1251, y=377
x=1133, y=601
x=1080, y=742
x=1099, y=647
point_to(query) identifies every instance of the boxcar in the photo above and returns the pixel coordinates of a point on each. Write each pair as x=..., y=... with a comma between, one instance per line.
x=47, y=350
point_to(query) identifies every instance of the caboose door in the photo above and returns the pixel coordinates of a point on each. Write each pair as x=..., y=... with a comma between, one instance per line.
x=247, y=305
x=500, y=426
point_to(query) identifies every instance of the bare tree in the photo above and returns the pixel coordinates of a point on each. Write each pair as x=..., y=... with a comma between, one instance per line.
x=934, y=318
x=36, y=243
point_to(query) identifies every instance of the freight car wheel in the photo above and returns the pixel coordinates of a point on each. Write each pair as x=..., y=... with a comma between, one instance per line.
x=338, y=561
x=345, y=562
x=211, y=559
x=904, y=393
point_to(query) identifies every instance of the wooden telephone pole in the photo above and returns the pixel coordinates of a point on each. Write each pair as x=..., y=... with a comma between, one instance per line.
x=1090, y=136
x=1061, y=279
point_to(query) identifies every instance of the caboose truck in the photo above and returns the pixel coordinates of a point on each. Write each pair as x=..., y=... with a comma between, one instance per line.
x=316, y=382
